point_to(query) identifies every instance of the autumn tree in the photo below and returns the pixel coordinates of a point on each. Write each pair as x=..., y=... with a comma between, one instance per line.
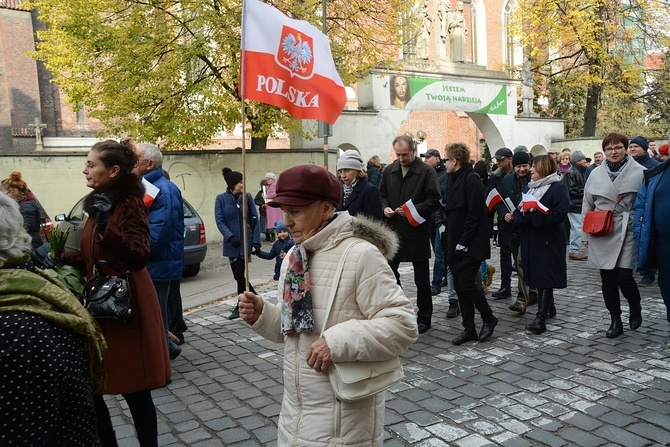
x=591, y=56
x=168, y=69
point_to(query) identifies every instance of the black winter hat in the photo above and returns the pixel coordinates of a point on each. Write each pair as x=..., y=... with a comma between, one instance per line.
x=232, y=177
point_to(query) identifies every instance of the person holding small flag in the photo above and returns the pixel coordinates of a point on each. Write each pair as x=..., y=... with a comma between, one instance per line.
x=467, y=241
x=540, y=217
x=410, y=193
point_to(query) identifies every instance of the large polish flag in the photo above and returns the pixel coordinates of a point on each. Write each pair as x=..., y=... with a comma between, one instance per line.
x=287, y=63
x=530, y=203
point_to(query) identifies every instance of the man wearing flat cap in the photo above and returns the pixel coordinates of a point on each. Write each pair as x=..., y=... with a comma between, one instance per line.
x=410, y=182
x=338, y=302
x=503, y=157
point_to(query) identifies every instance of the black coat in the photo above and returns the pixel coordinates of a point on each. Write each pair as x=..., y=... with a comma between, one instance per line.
x=511, y=187
x=574, y=180
x=421, y=185
x=364, y=199
x=543, y=241
x=467, y=218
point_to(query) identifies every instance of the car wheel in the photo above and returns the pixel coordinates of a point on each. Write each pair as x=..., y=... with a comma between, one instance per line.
x=191, y=270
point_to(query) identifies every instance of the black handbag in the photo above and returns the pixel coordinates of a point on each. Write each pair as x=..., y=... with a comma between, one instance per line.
x=108, y=297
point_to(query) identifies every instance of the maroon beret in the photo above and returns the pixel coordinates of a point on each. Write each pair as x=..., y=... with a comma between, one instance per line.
x=305, y=184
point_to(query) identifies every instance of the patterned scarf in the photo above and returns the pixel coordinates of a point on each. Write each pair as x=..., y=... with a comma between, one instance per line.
x=348, y=189
x=296, y=306
x=539, y=187
x=614, y=169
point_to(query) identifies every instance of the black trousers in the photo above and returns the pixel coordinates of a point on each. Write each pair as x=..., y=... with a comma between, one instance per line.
x=176, y=322
x=505, y=236
x=237, y=267
x=424, y=299
x=471, y=295
x=615, y=280
x=144, y=417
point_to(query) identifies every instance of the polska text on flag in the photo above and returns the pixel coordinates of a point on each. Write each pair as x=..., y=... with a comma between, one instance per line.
x=287, y=63
x=493, y=199
x=530, y=203
x=412, y=214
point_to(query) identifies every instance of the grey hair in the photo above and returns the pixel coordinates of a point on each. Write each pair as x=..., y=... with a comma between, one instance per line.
x=151, y=152
x=14, y=240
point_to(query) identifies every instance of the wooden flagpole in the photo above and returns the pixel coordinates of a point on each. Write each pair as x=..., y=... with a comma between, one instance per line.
x=245, y=227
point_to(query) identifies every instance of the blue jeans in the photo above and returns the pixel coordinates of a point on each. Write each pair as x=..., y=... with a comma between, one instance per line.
x=163, y=292
x=576, y=221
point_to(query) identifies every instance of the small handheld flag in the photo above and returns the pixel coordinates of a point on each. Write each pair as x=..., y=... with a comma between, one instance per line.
x=493, y=199
x=150, y=192
x=530, y=203
x=412, y=214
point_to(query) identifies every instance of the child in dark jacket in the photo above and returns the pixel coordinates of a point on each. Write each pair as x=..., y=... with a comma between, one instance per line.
x=279, y=249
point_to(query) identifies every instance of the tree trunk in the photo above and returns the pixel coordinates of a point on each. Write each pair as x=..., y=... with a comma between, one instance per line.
x=591, y=110
x=259, y=143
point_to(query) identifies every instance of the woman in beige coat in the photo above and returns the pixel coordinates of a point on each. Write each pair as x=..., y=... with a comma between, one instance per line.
x=615, y=254
x=371, y=319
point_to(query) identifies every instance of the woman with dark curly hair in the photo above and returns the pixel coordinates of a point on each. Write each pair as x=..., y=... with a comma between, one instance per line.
x=117, y=231
x=15, y=187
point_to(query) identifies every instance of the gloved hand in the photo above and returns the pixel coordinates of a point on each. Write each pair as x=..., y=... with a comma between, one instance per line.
x=235, y=242
x=101, y=209
x=255, y=248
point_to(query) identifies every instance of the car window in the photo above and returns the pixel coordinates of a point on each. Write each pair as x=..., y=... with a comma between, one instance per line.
x=188, y=210
x=77, y=212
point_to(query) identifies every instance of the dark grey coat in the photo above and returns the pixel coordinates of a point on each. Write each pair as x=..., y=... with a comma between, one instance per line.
x=421, y=185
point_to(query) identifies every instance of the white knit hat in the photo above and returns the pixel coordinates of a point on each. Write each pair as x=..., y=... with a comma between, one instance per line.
x=271, y=175
x=350, y=160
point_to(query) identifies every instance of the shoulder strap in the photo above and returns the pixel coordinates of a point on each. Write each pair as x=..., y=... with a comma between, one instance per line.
x=336, y=282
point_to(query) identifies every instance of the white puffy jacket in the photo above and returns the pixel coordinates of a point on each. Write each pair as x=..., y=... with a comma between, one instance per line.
x=371, y=320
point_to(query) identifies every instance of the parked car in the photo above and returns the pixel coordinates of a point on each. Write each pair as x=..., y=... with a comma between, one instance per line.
x=195, y=240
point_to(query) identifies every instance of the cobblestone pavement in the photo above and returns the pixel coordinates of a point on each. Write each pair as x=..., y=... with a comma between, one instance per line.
x=568, y=386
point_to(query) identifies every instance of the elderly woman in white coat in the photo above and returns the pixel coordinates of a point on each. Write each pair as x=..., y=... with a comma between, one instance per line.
x=613, y=186
x=370, y=320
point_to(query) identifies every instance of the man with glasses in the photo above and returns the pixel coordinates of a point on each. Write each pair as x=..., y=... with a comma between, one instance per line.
x=410, y=193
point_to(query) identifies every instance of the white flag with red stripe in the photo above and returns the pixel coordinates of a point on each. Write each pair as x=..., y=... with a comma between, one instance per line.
x=493, y=199
x=412, y=214
x=150, y=192
x=288, y=63
x=530, y=203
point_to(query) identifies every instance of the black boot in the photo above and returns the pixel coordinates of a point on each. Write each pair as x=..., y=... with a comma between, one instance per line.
x=635, y=319
x=235, y=313
x=616, y=328
x=545, y=300
x=454, y=309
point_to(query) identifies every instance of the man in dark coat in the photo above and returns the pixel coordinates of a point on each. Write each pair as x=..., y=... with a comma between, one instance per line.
x=433, y=158
x=166, y=224
x=574, y=180
x=503, y=157
x=410, y=179
x=512, y=187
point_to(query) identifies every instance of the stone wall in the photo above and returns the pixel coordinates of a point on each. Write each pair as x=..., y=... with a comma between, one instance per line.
x=58, y=182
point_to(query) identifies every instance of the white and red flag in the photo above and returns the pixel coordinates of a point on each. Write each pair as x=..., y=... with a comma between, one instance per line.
x=530, y=203
x=287, y=63
x=493, y=199
x=412, y=214
x=150, y=192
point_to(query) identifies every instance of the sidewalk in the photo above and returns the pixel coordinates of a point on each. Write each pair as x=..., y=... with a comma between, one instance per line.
x=568, y=386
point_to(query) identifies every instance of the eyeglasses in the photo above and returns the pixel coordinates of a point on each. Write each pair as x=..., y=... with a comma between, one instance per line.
x=447, y=159
x=614, y=148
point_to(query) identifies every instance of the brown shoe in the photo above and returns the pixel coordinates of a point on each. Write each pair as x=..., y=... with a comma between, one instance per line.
x=489, y=275
x=577, y=257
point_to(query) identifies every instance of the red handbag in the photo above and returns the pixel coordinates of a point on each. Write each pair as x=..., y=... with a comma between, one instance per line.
x=599, y=223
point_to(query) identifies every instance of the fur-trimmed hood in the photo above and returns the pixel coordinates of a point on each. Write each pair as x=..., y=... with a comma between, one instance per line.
x=126, y=186
x=378, y=234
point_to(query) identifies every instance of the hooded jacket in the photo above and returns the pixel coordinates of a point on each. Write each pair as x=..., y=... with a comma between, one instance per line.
x=370, y=320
